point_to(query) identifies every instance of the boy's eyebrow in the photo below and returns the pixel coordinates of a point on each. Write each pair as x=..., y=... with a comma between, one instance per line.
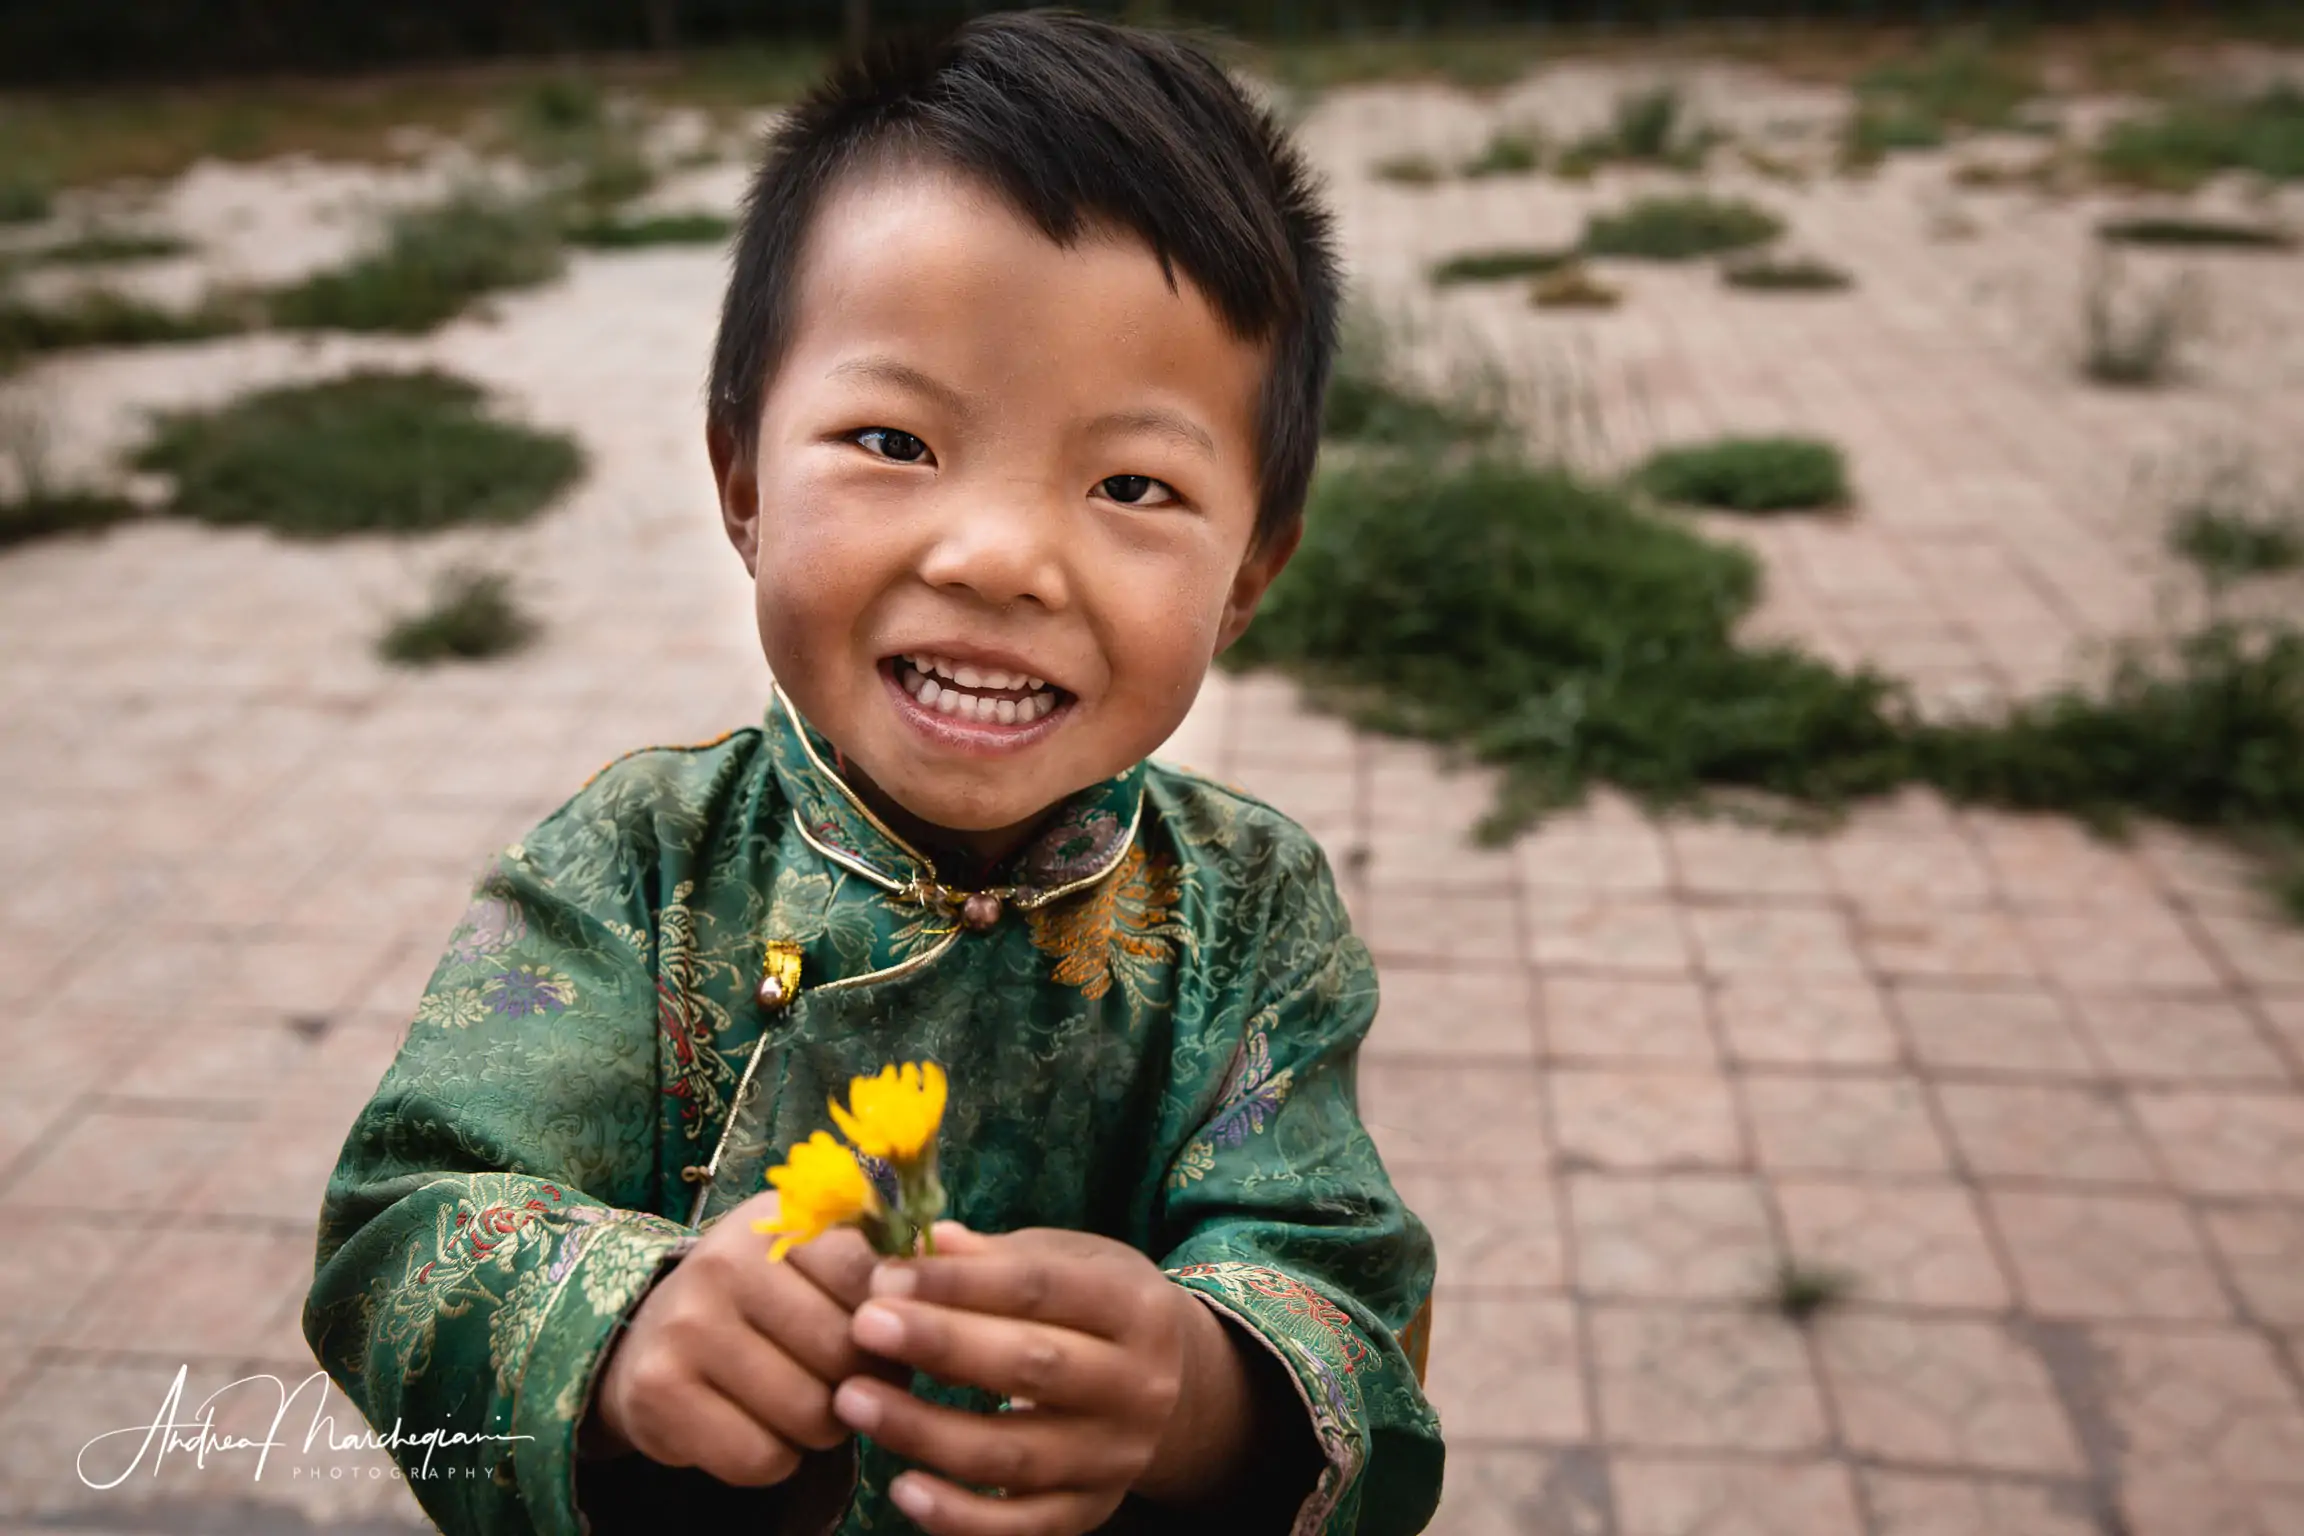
x=888, y=370
x=1166, y=423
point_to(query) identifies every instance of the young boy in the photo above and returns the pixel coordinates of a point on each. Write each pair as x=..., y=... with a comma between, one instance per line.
x=1013, y=408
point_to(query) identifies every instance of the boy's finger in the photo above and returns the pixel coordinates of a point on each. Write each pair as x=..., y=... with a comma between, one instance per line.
x=1086, y=1293
x=1018, y=1452
x=942, y=1509
x=778, y=1392
x=697, y=1427
x=840, y=1263
x=1059, y=1367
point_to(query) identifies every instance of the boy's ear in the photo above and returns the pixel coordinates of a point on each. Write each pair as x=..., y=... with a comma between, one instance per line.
x=1266, y=559
x=737, y=476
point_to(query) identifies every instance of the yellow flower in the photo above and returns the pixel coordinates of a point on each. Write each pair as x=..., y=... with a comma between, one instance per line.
x=894, y=1115
x=823, y=1187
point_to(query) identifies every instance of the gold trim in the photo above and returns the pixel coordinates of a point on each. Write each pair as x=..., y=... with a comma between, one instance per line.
x=759, y=1046
x=1040, y=899
x=844, y=859
x=841, y=784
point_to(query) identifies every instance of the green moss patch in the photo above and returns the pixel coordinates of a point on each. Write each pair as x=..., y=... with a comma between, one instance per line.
x=2187, y=141
x=1499, y=266
x=618, y=234
x=471, y=616
x=2196, y=233
x=1749, y=474
x=1680, y=228
x=433, y=264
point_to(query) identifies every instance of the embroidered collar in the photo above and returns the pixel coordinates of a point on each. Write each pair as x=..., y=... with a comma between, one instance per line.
x=1082, y=843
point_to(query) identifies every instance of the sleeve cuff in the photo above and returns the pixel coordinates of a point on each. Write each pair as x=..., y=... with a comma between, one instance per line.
x=1316, y=1342
x=592, y=1293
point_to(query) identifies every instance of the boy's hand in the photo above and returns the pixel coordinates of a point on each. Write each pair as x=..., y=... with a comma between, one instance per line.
x=728, y=1365
x=1119, y=1381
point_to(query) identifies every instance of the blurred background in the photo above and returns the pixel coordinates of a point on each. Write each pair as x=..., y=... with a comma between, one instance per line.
x=1797, y=660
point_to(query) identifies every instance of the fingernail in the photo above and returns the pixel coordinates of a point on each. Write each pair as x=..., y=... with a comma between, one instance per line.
x=895, y=1280
x=912, y=1496
x=878, y=1329
x=857, y=1407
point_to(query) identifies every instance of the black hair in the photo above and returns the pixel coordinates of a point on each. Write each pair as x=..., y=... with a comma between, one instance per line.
x=1076, y=122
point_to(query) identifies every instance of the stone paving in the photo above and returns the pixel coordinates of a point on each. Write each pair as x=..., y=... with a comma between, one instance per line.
x=2042, y=1098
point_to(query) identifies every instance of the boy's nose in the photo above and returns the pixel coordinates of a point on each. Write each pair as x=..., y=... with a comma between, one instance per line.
x=1005, y=549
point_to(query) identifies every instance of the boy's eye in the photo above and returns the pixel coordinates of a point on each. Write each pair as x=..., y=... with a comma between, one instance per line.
x=888, y=443
x=1136, y=490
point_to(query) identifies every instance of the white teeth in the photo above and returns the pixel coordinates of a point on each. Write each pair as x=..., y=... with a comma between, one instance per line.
x=928, y=691
x=968, y=677
x=1006, y=710
x=1034, y=683
x=948, y=702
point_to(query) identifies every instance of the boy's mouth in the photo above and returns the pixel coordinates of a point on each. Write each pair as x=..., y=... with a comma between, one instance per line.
x=972, y=696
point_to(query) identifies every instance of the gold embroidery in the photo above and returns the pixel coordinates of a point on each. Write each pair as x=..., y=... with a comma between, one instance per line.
x=1125, y=929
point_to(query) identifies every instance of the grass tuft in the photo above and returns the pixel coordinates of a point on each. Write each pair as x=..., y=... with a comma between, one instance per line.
x=1802, y=1292
x=104, y=247
x=2227, y=543
x=370, y=452
x=1508, y=152
x=1749, y=474
x=1573, y=287
x=1650, y=127
x=23, y=199
x=615, y=234
x=102, y=317
x=1408, y=170
x=1961, y=81
x=43, y=513
x=2188, y=141
x=434, y=262
x=1680, y=228
x=2196, y=233
x=1499, y=266
x=471, y=617
x=1785, y=274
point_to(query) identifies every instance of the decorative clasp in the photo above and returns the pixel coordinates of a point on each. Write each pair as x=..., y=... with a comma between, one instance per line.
x=779, y=975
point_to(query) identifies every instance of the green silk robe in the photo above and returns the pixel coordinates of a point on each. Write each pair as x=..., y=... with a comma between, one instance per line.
x=1155, y=1042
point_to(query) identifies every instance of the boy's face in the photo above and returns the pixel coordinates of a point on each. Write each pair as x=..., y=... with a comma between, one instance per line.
x=987, y=461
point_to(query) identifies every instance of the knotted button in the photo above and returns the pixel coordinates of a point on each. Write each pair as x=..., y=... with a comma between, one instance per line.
x=980, y=911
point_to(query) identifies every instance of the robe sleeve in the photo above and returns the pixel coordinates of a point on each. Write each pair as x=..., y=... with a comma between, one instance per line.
x=1287, y=1224
x=487, y=1227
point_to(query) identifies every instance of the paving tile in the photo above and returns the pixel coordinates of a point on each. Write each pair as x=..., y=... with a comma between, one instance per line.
x=1308, y=794
x=51, y=1263
x=2263, y=950
x=1944, y=1392
x=1523, y=1491
x=2176, y=1502
x=1775, y=941
x=1817, y=1123
x=2173, y=1039
x=1905, y=1244
x=1439, y=927
x=1993, y=1029
x=1802, y=1022
x=2044, y=1131
x=1704, y=1379
x=2219, y=1143
x=2263, y=1252
x=1744, y=862
x=2048, y=861
x=1982, y=944
x=1495, y=1228
x=2118, y=948
x=1455, y=1116
x=198, y=1291
x=1608, y=933
x=1626, y=1018
x=2106, y=1256
x=1475, y=1011
x=59, y=1054
x=1659, y=1497
x=2208, y=1401
x=1507, y=1368
x=1643, y=1119
x=232, y=1062
x=1675, y=1237
x=1926, y=1504
x=111, y=1161
x=1887, y=870
x=1563, y=859
x=1434, y=859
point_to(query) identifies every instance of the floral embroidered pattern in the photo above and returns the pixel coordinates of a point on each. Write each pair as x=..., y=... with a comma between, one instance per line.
x=526, y=991
x=1249, y=1100
x=497, y=1219
x=1124, y=930
x=690, y=1019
